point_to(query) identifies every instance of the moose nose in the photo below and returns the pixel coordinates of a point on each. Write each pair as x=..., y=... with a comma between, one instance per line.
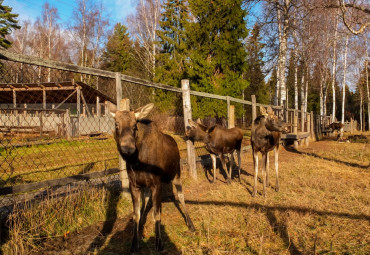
x=127, y=150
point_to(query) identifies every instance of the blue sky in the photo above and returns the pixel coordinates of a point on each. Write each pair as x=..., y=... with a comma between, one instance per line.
x=117, y=10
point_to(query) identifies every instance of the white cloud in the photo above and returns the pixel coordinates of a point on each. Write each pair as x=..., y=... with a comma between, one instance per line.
x=26, y=10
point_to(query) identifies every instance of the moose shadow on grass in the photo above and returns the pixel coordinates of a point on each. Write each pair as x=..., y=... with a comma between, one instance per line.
x=206, y=163
x=280, y=227
x=120, y=241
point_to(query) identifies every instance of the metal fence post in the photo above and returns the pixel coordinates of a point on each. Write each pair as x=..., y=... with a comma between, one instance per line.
x=122, y=104
x=188, y=115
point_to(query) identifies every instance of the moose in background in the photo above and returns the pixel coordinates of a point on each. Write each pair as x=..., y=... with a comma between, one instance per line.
x=265, y=138
x=219, y=141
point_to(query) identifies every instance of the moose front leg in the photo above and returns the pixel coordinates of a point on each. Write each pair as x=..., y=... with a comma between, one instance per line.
x=213, y=158
x=255, y=160
x=156, y=198
x=224, y=166
x=136, y=197
x=276, y=152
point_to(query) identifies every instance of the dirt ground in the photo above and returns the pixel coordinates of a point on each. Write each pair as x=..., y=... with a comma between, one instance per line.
x=293, y=221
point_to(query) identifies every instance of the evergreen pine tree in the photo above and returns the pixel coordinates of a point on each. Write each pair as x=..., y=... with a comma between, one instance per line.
x=170, y=67
x=118, y=55
x=8, y=21
x=216, y=52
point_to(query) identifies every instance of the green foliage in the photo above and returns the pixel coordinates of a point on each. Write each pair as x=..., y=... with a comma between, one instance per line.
x=8, y=22
x=118, y=55
x=216, y=59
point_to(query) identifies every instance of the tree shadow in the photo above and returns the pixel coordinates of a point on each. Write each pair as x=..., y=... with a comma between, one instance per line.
x=291, y=149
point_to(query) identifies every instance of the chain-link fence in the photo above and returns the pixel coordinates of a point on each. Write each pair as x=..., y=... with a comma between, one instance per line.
x=55, y=128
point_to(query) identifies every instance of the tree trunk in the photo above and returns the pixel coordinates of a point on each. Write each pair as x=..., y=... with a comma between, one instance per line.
x=334, y=66
x=344, y=79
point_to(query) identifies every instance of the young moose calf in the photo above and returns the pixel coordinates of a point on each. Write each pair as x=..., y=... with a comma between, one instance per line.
x=265, y=137
x=218, y=140
x=152, y=158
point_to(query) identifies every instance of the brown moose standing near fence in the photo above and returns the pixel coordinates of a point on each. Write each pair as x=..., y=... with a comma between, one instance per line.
x=152, y=158
x=265, y=137
x=219, y=141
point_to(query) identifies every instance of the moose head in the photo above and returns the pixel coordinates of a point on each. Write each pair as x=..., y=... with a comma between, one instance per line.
x=272, y=121
x=125, y=126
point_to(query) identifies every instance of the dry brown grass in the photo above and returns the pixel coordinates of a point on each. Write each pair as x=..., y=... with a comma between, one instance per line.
x=322, y=208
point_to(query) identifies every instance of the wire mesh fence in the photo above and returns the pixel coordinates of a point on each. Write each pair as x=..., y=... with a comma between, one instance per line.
x=55, y=126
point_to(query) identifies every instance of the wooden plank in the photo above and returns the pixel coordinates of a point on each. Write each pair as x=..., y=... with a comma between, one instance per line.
x=38, y=88
x=188, y=115
x=7, y=55
x=56, y=182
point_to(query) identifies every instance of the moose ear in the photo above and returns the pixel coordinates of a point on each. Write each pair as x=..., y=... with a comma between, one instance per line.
x=262, y=110
x=192, y=123
x=143, y=111
x=198, y=121
x=269, y=110
x=112, y=108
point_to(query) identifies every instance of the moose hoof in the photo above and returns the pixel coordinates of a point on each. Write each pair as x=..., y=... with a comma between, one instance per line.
x=228, y=181
x=254, y=193
x=213, y=181
x=277, y=189
x=158, y=244
x=134, y=249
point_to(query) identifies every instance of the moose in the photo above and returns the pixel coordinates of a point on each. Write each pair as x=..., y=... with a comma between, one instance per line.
x=336, y=126
x=265, y=138
x=152, y=158
x=219, y=141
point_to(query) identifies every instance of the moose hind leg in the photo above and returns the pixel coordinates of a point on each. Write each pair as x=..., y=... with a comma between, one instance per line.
x=156, y=198
x=213, y=158
x=264, y=162
x=136, y=197
x=239, y=163
x=267, y=169
x=255, y=160
x=180, y=195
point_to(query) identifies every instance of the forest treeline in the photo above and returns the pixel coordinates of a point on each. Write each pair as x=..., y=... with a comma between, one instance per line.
x=310, y=54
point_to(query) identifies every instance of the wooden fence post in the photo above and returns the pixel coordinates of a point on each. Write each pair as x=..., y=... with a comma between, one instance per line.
x=231, y=120
x=312, y=127
x=295, y=127
x=307, y=140
x=254, y=109
x=122, y=104
x=302, y=118
x=186, y=103
x=78, y=109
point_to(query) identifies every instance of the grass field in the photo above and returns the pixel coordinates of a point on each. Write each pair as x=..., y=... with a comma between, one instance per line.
x=52, y=159
x=323, y=207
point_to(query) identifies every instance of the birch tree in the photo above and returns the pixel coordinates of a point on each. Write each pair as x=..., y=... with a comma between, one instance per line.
x=344, y=81
x=334, y=65
x=143, y=26
x=367, y=83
